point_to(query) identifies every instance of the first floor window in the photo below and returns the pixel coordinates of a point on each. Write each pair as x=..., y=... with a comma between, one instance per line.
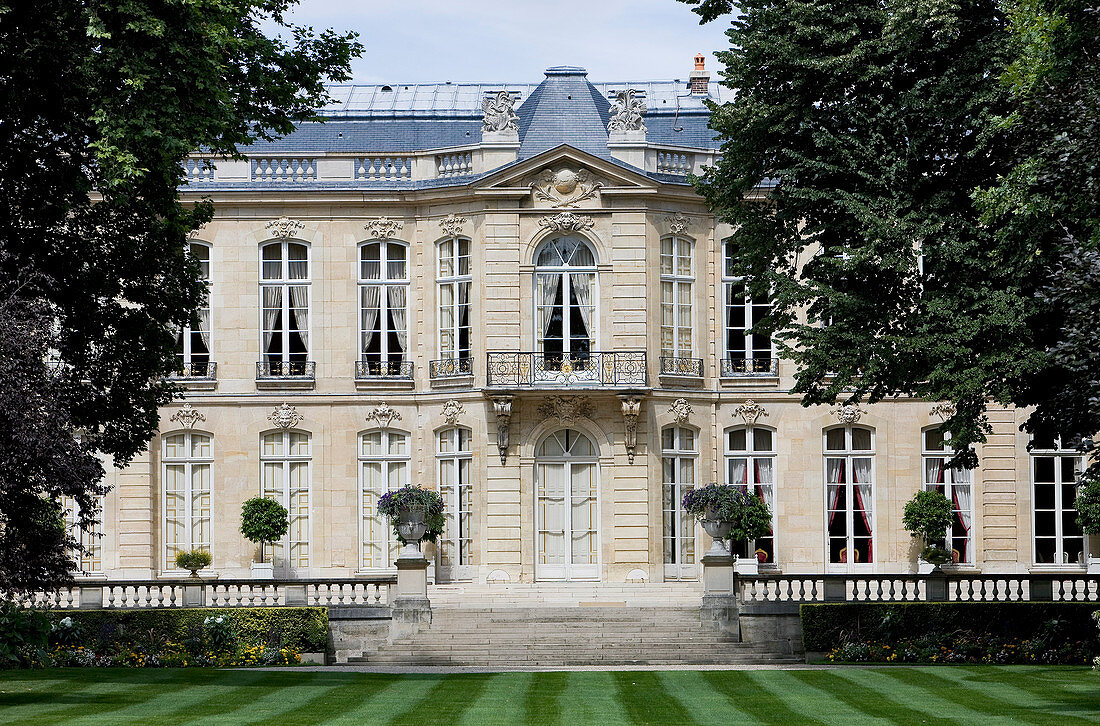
x=750, y=465
x=678, y=456
x=1054, y=469
x=285, y=306
x=187, y=460
x=383, y=307
x=677, y=283
x=193, y=342
x=850, y=496
x=957, y=486
x=90, y=558
x=454, y=459
x=285, y=459
x=383, y=466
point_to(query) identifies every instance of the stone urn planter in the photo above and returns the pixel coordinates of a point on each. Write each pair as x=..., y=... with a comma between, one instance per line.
x=719, y=531
x=412, y=525
x=415, y=514
x=726, y=512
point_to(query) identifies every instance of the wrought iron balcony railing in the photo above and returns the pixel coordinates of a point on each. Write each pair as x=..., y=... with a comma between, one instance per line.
x=620, y=368
x=450, y=368
x=278, y=370
x=687, y=367
x=741, y=367
x=195, y=371
x=402, y=369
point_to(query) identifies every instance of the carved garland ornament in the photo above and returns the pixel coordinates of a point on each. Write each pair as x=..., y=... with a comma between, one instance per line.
x=383, y=228
x=944, y=409
x=452, y=410
x=285, y=416
x=627, y=112
x=383, y=416
x=632, y=407
x=499, y=112
x=567, y=222
x=677, y=224
x=848, y=413
x=187, y=416
x=567, y=409
x=452, y=225
x=565, y=187
x=284, y=228
x=502, y=407
x=750, y=411
x=681, y=409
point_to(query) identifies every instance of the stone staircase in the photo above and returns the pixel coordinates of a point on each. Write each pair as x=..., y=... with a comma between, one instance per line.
x=544, y=627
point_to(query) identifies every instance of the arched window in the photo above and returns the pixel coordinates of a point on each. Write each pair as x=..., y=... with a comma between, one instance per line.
x=750, y=465
x=193, y=344
x=286, y=474
x=383, y=309
x=566, y=302
x=1054, y=469
x=677, y=290
x=454, y=458
x=285, y=303
x=453, y=286
x=383, y=467
x=186, y=461
x=850, y=494
x=745, y=353
x=679, y=453
x=566, y=512
x=956, y=485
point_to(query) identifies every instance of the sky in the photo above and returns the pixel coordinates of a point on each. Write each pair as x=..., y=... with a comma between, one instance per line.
x=516, y=40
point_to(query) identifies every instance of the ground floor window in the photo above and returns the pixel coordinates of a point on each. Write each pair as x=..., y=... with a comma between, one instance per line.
x=90, y=559
x=383, y=467
x=850, y=494
x=678, y=459
x=454, y=459
x=1058, y=538
x=957, y=486
x=285, y=462
x=750, y=465
x=187, y=458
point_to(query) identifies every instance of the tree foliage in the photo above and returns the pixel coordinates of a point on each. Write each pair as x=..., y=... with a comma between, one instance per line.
x=100, y=104
x=903, y=178
x=263, y=520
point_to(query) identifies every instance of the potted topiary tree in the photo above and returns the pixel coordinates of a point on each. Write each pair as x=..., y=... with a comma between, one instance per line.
x=727, y=512
x=414, y=514
x=262, y=521
x=926, y=517
x=193, y=560
x=1087, y=505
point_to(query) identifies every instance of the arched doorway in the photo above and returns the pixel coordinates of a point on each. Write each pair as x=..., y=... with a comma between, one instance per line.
x=566, y=507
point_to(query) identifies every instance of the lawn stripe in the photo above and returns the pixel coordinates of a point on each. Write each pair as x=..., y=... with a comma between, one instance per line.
x=502, y=702
x=1037, y=688
x=107, y=695
x=805, y=698
x=61, y=691
x=279, y=691
x=745, y=694
x=904, y=685
x=645, y=700
x=225, y=691
x=447, y=700
x=542, y=700
x=589, y=698
x=863, y=699
x=334, y=694
x=387, y=702
x=708, y=706
x=955, y=685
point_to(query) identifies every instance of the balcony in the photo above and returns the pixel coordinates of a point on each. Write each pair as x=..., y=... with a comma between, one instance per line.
x=681, y=367
x=622, y=369
x=197, y=375
x=451, y=370
x=286, y=374
x=383, y=369
x=749, y=368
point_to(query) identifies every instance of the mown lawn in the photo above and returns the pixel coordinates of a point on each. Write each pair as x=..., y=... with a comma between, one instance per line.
x=895, y=695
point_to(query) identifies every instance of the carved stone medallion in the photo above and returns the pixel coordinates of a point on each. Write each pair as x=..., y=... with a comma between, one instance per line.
x=187, y=416
x=452, y=410
x=383, y=228
x=681, y=409
x=383, y=416
x=567, y=222
x=452, y=225
x=750, y=411
x=627, y=112
x=564, y=187
x=566, y=409
x=677, y=224
x=284, y=228
x=848, y=414
x=285, y=416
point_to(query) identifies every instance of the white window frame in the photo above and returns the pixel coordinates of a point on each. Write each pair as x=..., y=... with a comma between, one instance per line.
x=1061, y=556
x=186, y=333
x=386, y=357
x=89, y=561
x=674, y=519
x=951, y=480
x=566, y=273
x=456, y=282
x=570, y=570
x=458, y=509
x=751, y=456
x=848, y=454
x=747, y=352
x=381, y=532
x=188, y=462
x=285, y=497
x=677, y=281
x=284, y=283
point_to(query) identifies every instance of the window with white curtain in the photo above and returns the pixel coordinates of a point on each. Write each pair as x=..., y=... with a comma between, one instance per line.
x=750, y=466
x=187, y=458
x=677, y=285
x=744, y=352
x=566, y=308
x=1059, y=539
x=453, y=280
x=850, y=494
x=679, y=454
x=193, y=344
x=383, y=307
x=454, y=458
x=90, y=559
x=285, y=305
x=957, y=485
x=285, y=462
x=383, y=467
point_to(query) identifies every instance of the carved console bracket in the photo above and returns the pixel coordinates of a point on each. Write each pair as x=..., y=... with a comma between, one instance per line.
x=632, y=407
x=502, y=407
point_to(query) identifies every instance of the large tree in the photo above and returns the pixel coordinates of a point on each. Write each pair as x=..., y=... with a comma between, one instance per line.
x=101, y=102
x=873, y=124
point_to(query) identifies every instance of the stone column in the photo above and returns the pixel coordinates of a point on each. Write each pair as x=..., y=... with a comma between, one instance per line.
x=720, y=607
x=410, y=610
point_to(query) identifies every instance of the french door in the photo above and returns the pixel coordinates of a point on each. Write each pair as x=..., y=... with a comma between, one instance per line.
x=566, y=508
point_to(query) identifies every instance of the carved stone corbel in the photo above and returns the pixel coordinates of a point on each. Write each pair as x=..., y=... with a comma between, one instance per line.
x=502, y=407
x=632, y=407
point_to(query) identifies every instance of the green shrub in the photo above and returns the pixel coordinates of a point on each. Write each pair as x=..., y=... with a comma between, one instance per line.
x=749, y=514
x=193, y=560
x=1087, y=505
x=927, y=516
x=263, y=520
x=24, y=633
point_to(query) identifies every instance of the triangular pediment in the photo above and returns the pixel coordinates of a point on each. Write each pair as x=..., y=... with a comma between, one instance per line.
x=522, y=174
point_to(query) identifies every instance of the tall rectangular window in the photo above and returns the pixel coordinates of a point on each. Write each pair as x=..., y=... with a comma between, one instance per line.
x=384, y=309
x=454, y=457
x=678, y=459
x=383, y=467
x=187, y=459
x=744, y=352
x=750, y=465
x=285, y=304
x=453, y=280
x=90, y=560
x=193, y=344
x=677, y=284
x=1059, y=540
x=956, y=485
x=285, y=463
x=850, y=494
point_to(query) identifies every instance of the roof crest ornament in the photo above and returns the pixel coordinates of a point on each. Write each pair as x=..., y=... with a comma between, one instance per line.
x=452, y=225
x=564, y=187
x=383, y=228
x=627, y=112
x=284, y=228
x=567, y=222
x=499, y=114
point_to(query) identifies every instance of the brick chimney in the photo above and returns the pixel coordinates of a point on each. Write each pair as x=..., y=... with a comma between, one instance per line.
x=699, y=80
